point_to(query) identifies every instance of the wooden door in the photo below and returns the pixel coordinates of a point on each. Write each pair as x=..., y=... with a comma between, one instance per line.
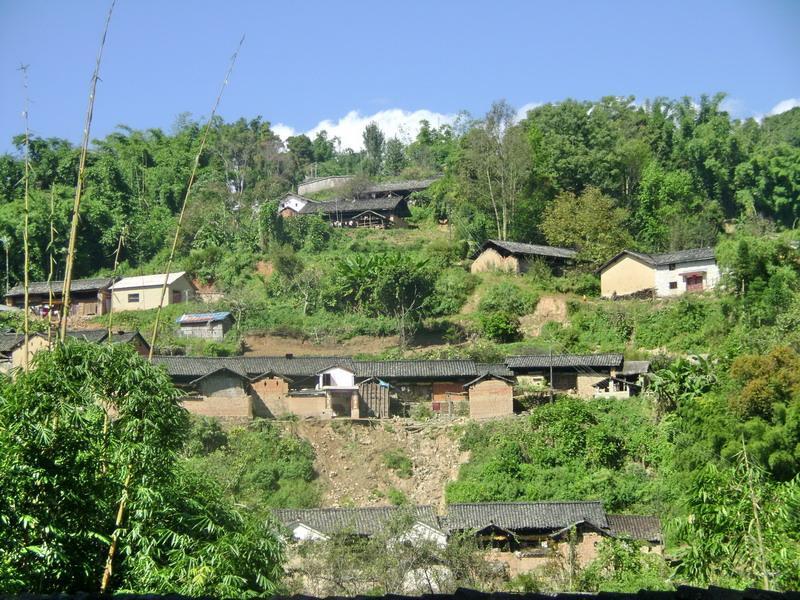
x=694, y=283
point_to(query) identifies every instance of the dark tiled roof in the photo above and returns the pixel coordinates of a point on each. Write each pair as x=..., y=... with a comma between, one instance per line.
x=358, y=521
x=543, y=361
x=78, y=285
x=9, y=341
x=516, y=516
x=666, y=258
x=93, y=336
x=411, y=185
x=498, y=369
x=416, y=369
x=332, y=207
x=295, y=368
x=530, y=249
x=636, y=527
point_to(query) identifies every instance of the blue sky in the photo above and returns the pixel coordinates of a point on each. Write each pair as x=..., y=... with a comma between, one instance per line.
x=307, y=62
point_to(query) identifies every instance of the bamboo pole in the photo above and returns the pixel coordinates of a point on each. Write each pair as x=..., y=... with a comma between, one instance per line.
x=26, y=327
x=52, y=268
x=203, y=140
x=73, y=233
x=114, y=276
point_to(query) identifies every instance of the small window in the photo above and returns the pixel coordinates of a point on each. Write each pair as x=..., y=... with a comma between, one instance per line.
x=673, y=285
x=672, y=266
x=326, y=379
x=133, y=298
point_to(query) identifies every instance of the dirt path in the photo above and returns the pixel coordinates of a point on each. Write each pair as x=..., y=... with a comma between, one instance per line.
x=350, y=460
x=549, y=308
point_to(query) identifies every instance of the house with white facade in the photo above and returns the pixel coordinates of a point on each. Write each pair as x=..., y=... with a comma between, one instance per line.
x=662, y=275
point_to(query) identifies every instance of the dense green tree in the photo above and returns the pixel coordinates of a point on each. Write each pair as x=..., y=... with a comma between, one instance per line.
x=374, y=147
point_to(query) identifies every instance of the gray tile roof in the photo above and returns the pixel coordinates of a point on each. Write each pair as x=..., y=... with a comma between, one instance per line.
x=93, y=336
x=9, y=341
x=332, y=207
x=359, y=521
x=78, y=285
x=636, y=527
x=499, y=369
x=410, y=185
x=416, y=369
x=517, y=516
x=543, y=361
x=666, y=258
x=530, y=249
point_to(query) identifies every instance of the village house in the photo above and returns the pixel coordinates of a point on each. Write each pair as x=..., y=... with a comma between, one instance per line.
x=526, y=536
x=381, y=212
x=325, y=387
x=88, y=297
x=516, y=257
x=209, y=326
x=314, y=524
x=144, y=292
x=98, y=336
x=660, y=275
x=12, y=349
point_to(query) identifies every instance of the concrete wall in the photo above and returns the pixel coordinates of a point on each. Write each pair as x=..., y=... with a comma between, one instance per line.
x=626, y=276
x=491, y=398
x=491, y=260
x=664, y=276
x=339, y=378
x=149, y=297
x=323, y=183
x=209, y=331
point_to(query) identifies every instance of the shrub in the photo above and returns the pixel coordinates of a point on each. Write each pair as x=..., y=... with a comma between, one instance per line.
x=499, y=326
x=421, y=411
x=508, y=298
x=396, y=497
x=399, y=462
x=452, y=289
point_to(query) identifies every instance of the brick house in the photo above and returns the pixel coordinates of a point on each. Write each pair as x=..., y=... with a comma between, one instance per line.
x=516, y=257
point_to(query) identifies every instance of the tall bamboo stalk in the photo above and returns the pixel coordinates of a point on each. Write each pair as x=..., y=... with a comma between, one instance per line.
x=114, y=276
x=73, y=233
x=26, y=327
x=154, y=336
x=52, y=268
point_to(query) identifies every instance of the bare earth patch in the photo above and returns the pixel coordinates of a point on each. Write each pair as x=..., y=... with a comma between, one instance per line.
x=350, y=459
x=549, y=308
x=274, y=345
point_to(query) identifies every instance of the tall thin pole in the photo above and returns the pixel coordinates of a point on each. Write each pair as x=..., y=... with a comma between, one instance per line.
x=154, y=336
x=73, y=233
x=52, y=268
x=551, y=373
x=26, y=327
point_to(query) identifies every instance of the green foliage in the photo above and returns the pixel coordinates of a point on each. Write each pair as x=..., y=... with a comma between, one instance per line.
x=499, y=326
x=396, y=497
x=399, y=462
x=259, y=468
x=88, y=426
x=621, y=566
x=508, y=298
x=453, y=287
x=566, y=450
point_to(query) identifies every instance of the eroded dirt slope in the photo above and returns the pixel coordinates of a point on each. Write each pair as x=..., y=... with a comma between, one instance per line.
x=351, y=459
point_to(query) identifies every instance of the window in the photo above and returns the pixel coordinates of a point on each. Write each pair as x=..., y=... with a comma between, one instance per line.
x=176, y=297
x=133, y=298
x=326, y=379
x=672, y=266
x=673, y=285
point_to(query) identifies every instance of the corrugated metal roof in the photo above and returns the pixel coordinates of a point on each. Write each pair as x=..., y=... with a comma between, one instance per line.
x=78, y=285
x=515, y=516
x=366, y=521
x=142, y=281
x=543, y=361
x=210, y=317
x=636, y=527
x=531, y=249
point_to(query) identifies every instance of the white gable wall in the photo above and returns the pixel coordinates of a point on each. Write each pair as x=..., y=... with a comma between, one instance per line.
x=664, y=276
x=341, y=378
x=294, y=202
x=304, y=533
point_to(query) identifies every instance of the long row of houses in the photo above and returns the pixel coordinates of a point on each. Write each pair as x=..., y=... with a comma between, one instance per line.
x=522, y=535
x=324, y=387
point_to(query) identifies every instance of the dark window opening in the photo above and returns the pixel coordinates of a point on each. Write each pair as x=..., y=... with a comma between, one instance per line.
x=326, y=379
x=133, y=297
x=673, y=285
x=672, y=267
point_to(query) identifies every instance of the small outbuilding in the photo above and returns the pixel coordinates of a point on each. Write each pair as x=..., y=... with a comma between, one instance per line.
x=209, y=326
x=516, y=257
x=489, y=396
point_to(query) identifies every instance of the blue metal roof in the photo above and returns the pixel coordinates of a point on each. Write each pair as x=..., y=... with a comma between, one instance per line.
x=202, y=317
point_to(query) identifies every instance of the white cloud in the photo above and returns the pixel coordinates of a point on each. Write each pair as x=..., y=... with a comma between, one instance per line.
x=734, y=107
x=784, y=105
x=285, y=131
x=523, y=110
x=393, y=122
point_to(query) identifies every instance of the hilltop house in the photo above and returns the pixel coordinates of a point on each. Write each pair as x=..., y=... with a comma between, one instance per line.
x=87, y=296
x=381, y=212
x=516, y=257
x=324, y=387
x=210, y=326
x=661, y=275
x=144, y=292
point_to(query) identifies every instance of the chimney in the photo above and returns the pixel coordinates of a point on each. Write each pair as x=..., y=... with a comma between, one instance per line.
x=289, y=355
